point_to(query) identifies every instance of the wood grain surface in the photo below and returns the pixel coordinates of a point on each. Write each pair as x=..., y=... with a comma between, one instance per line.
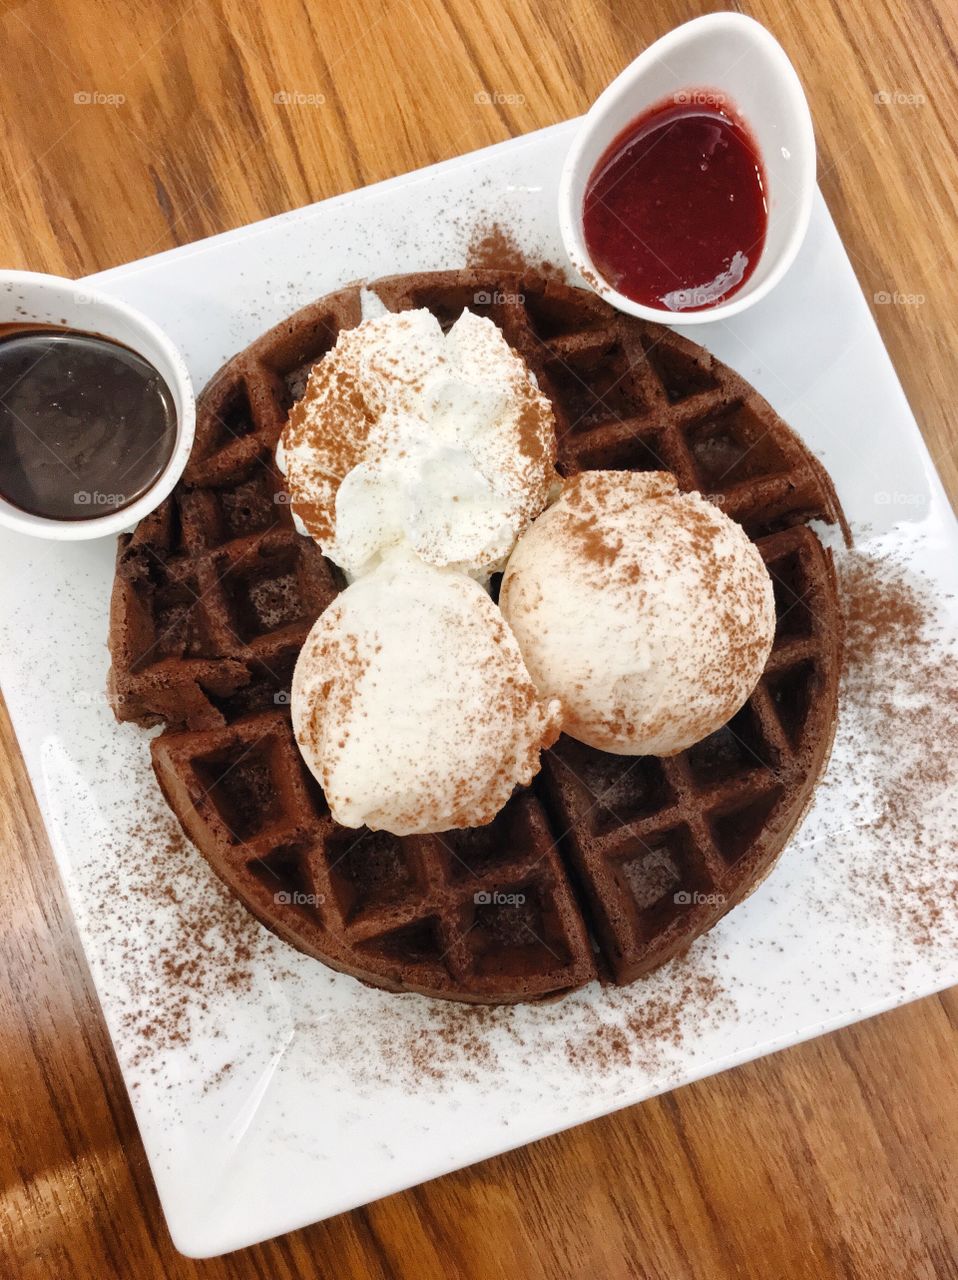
x=132, y=127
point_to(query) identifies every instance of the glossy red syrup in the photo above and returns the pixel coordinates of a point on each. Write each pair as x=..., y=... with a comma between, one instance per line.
x=675, y=211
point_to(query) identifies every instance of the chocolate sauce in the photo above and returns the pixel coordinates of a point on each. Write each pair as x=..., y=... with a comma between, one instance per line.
x=86, y=424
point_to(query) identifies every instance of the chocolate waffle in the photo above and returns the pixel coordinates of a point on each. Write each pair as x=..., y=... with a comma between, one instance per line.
x=607, y=866
x=215, y=591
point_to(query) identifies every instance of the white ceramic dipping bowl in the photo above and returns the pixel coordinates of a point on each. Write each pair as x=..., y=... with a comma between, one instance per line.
x=27, y=297
x=732, y=56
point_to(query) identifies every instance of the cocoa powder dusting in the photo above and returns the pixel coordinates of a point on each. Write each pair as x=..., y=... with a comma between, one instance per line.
x=588, y=1033
x=184, y=957
x=493, y=247
x=898, y=743
x=179, y=942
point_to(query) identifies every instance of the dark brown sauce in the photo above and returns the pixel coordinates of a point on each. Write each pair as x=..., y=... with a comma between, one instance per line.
x=86, y=425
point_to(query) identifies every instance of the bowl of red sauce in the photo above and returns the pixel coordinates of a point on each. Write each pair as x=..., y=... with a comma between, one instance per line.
x=687, y=192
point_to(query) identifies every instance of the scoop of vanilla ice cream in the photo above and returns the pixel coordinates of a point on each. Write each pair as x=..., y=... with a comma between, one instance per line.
x=646, y=611
x=411, y=703
x=407, y=436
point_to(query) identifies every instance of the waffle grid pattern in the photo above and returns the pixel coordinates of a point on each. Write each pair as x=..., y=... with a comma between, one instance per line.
x=215, y=593
x=663, y=847
x=461, y=911
x=629, y=395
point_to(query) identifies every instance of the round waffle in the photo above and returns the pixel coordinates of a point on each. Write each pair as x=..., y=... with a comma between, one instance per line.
x=608, y=865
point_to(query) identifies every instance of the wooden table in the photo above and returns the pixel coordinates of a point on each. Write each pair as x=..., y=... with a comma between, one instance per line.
x=129, y=128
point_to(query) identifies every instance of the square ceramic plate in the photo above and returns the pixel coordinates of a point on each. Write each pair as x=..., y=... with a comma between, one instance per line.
x=271, y=1092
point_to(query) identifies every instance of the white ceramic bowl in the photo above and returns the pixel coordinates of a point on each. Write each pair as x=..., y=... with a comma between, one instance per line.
x=28, y=297
x=733, y=56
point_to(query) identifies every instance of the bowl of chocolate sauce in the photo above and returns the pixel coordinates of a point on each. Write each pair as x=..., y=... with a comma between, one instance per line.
x=96, y=410
x=688, y=189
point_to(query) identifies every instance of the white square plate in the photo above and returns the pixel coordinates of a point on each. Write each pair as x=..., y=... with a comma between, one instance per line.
x=271, y=1092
